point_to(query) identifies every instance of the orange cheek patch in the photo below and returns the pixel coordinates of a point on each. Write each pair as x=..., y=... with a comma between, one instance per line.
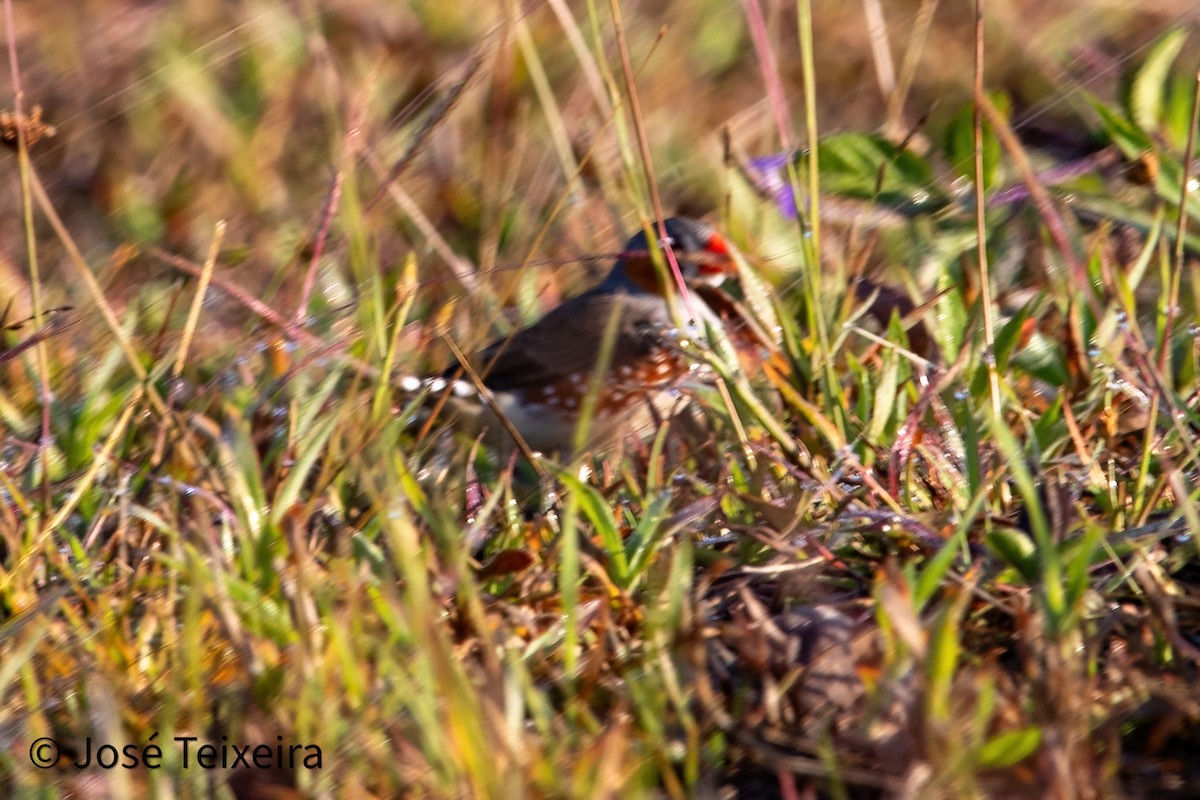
x=717, y=245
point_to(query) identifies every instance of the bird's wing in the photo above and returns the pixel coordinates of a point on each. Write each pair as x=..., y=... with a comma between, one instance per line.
x=567, y=340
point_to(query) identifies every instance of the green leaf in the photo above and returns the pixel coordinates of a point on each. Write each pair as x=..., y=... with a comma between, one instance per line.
x=951, y=317
x=311, y=448
x=1077, y=560
x=960, y=142
x=261, y=612
x=1148, y=86
x=933, y=575
x=1010, y=748
x=968, y=429
x=311, y=403
x=1052, y=592
x=1177, y=109
x=242, y=472
x=1016, y=549
x=870, y=167
x=1009, y=333
x=600, y=515
x=367, y=551
x=1043, y=359
x=885, y=395
x=1050, y=427
x=1123, y=133
x=644, y=540
x=944, y=652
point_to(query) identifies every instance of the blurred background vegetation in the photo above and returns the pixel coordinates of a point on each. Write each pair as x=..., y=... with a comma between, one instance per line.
x=171, y=116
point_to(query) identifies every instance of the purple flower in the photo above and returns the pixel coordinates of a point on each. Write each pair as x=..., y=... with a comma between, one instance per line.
x=769, y=176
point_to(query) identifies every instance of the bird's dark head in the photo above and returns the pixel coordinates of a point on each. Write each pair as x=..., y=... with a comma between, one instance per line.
x=699, y=250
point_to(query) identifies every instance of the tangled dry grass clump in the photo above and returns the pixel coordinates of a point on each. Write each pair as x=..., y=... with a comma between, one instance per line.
x=937, y=539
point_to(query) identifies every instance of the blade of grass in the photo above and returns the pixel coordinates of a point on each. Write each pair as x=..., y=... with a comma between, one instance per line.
x=643, y=141
x=193, y=318
x=82, y=485
x=981, y=256
x=25, y=171
x=1186, y=188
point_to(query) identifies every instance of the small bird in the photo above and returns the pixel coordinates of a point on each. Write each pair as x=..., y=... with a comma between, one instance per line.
x=539, y=377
